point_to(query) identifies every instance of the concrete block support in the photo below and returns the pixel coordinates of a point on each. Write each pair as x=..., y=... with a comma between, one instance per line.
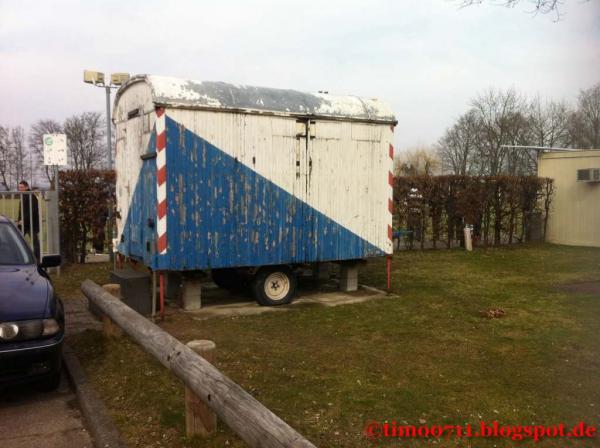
x=348, y=277
x=191, y=293
x=135, y=289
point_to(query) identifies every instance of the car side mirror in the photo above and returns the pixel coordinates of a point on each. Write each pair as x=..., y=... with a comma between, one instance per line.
x=51, y=261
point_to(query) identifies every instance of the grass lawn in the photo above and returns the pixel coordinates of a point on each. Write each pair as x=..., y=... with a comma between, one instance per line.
x=427, y=356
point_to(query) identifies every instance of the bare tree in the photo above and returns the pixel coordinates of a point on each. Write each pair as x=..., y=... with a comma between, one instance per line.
x=85, y=140
x=519, y=162
x=18, y=154
x=547, y=195
x=13, y=156
x=5, y=160
x=458, y=146
x=585, y=122
x=536, y=6
x=417, y=161
x=36, y=146
x=501, y=119
x=549, y=123
x=480, y=141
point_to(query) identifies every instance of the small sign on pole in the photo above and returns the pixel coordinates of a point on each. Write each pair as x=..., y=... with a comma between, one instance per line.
x=55, y=149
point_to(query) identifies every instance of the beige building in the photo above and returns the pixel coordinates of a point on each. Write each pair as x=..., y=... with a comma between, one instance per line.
x=575, y=213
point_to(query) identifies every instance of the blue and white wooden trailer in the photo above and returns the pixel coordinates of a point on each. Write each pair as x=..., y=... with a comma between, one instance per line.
x=240, y=179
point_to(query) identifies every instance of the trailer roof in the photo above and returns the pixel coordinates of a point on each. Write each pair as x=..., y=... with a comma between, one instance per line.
x=190, y=94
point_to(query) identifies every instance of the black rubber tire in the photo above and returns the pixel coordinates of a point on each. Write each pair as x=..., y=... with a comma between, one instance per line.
x=226, y=278
x=279, y=277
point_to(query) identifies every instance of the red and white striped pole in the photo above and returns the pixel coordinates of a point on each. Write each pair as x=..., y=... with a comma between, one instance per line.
x=391, y=210
x=161, y=181
x=391, y=183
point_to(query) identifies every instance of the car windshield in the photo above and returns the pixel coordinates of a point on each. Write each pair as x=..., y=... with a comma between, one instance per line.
x=13, y=249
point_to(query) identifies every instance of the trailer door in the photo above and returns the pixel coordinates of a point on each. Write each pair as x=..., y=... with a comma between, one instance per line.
x=346, y=182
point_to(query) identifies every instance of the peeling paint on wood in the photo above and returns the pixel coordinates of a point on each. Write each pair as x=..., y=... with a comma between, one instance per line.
x=247, y=189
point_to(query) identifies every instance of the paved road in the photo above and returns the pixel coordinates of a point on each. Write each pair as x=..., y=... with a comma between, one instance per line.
x=32, y=419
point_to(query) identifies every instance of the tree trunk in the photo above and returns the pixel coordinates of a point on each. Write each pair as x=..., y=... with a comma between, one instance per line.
x=511, y=225
x=83, y=244
x=486, y=227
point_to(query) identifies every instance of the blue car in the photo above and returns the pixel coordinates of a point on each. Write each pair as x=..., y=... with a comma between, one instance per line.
x=31, y=315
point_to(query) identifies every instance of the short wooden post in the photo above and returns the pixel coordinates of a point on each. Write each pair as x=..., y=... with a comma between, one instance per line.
x=199, y=419
x=109, y=328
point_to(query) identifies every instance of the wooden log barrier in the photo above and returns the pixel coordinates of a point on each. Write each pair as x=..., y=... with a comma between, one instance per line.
x=200, y=420
x=246, y=416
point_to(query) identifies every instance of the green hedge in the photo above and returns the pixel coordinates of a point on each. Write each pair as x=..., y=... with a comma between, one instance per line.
x=84, y=199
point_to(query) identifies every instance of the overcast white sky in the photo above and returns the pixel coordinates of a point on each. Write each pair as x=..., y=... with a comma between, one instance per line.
x=427, y=58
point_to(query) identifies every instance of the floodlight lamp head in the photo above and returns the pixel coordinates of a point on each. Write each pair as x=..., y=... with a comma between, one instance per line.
x=118, y=79
x=92, y=77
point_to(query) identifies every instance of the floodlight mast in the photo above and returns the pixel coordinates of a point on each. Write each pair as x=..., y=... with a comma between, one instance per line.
x=116, y=80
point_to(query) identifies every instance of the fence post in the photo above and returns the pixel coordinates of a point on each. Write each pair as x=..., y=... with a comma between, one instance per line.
x=199, y=419
x=110, y=329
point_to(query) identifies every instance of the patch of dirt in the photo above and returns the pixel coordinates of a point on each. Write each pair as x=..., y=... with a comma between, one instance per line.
x=582, y=288
x=493, y=313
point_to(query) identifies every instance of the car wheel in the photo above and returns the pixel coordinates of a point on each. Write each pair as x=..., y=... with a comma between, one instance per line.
x=274, y=285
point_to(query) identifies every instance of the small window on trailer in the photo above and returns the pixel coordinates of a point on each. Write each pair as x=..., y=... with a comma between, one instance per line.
x=133, y=113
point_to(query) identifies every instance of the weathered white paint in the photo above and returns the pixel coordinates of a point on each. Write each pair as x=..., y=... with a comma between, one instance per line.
x=132, y=138
x=349, y=180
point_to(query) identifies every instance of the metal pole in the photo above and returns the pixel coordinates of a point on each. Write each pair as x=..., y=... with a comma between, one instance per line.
x=22, y=214
x=41, y=209
x=108, y=127
x=110, y=165
x=56, y=183
x=153, y=294
x=31, y=232
x=56, y=235
x=31, y=170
